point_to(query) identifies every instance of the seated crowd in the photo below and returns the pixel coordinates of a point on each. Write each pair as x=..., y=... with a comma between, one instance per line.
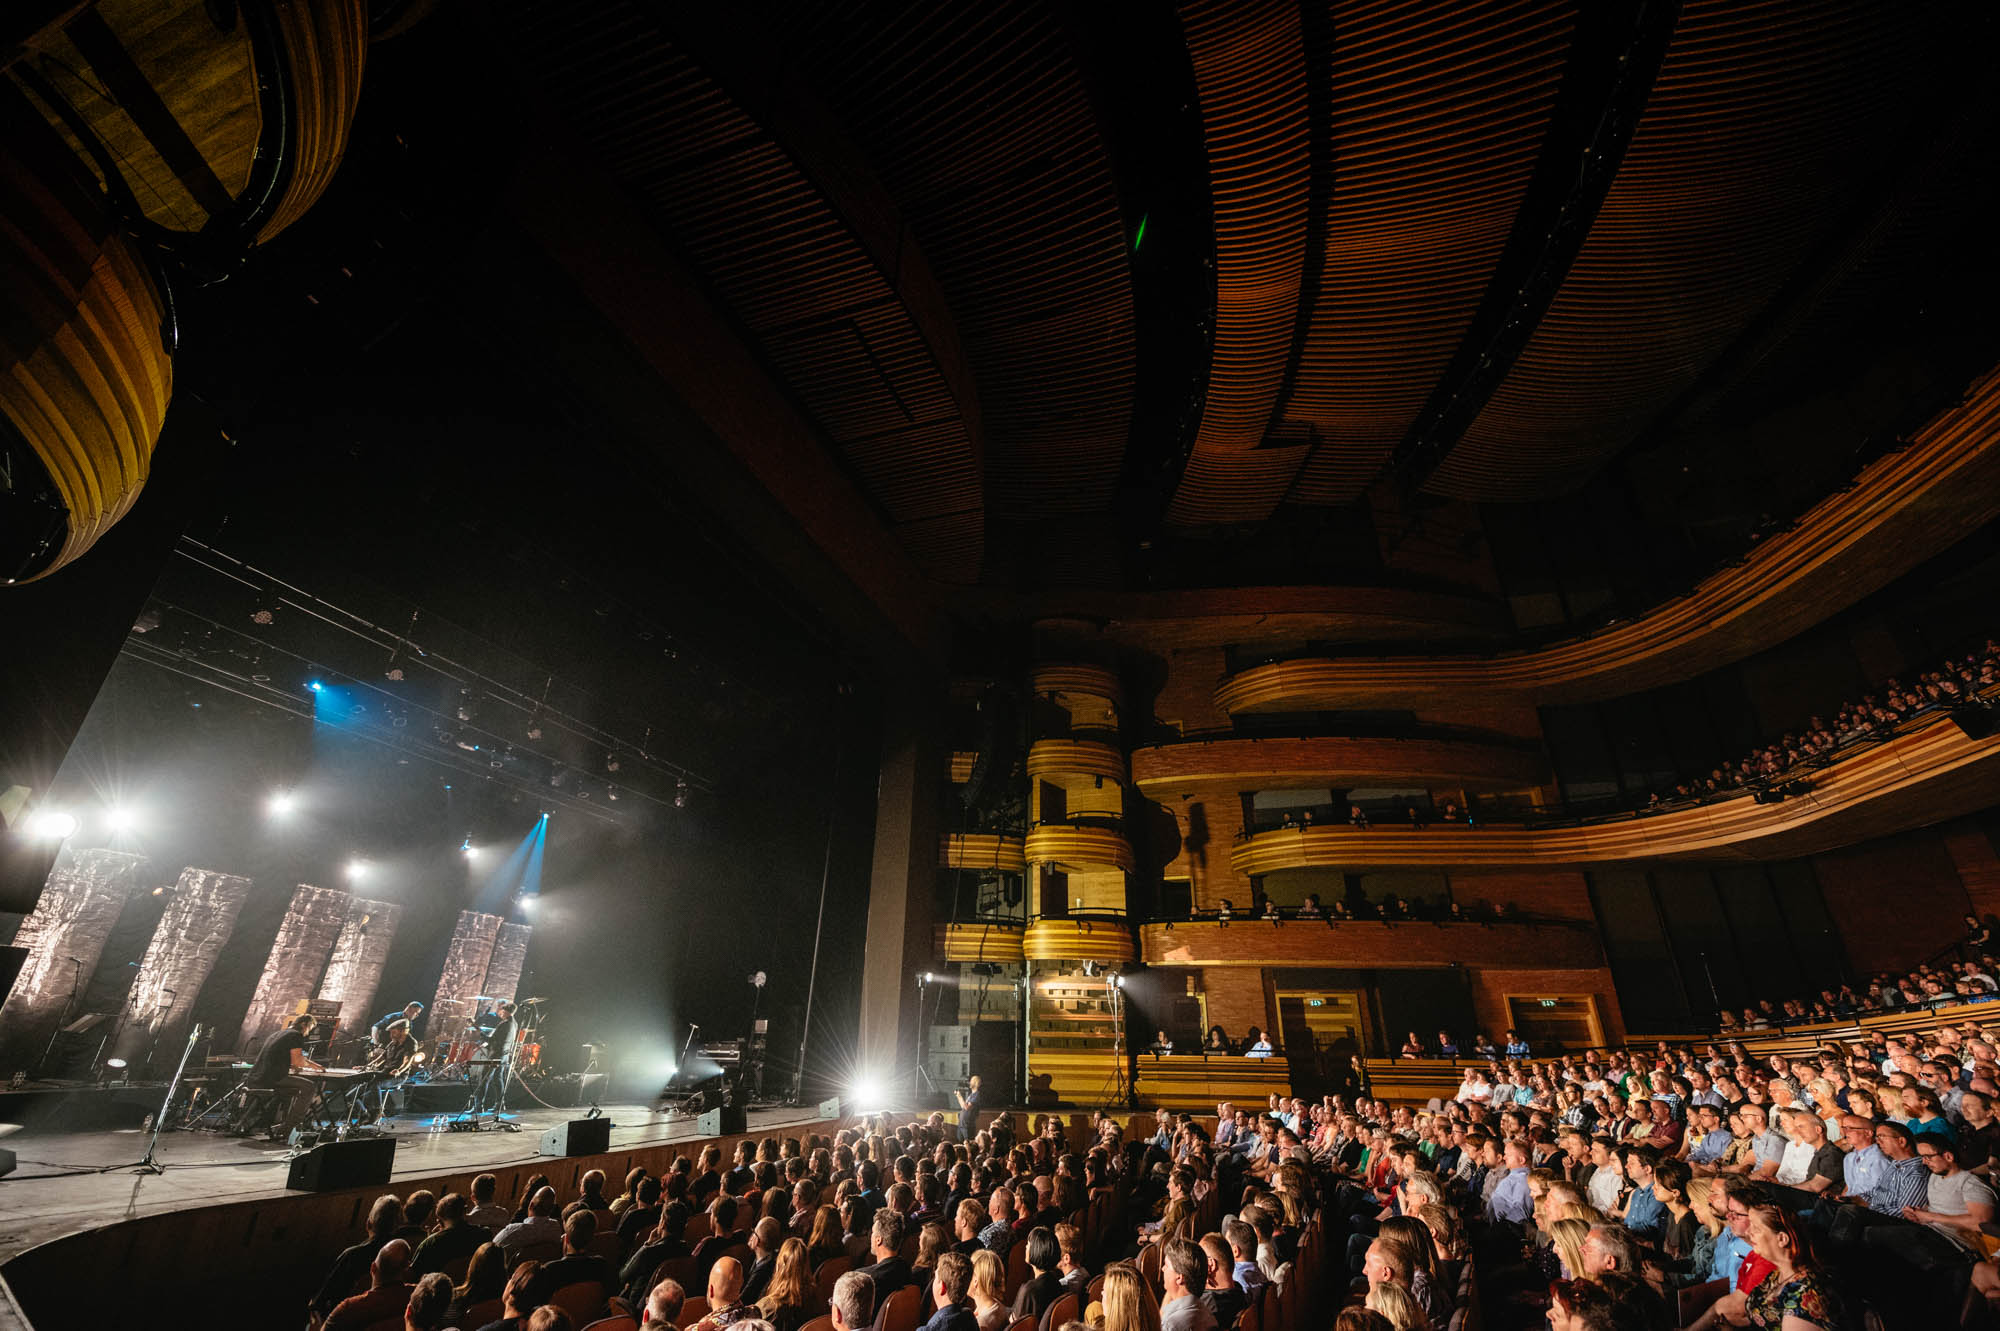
x=1703, y=1185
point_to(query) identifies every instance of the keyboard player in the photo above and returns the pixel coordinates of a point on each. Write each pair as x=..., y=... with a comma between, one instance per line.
x=278, y=1067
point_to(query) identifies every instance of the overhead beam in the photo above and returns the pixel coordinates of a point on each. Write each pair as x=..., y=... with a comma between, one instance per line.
x=1606, y=83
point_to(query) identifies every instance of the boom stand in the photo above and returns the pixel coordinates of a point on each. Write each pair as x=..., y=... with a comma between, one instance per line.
x=921, y=1084
x=150, y=1164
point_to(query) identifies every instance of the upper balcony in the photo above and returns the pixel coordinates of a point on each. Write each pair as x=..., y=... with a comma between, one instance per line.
x=1072, y=848
x=1070, y=762
x=1339, y=763
x=1930, y=773
x=1904, y=508
x=982, y=850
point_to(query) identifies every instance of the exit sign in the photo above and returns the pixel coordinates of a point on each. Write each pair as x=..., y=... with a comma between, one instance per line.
x=1548, y=1002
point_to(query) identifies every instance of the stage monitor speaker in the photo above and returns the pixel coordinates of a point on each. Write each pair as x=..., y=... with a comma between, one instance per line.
x=722, y=1122
x=362, y=1163
x=579, y=1136
x=829, y=1108
x=6, y=1162
x=1974, y=719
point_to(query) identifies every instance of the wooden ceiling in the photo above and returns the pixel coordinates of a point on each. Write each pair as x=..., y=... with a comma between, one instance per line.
x=1474, y=249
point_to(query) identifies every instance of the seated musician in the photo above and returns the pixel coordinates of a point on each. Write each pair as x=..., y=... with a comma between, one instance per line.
x=410, y=1016
x=278, y=1066
x=397, y=1055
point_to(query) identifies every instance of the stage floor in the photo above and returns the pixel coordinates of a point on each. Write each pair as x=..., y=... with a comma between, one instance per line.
x=72, y=1181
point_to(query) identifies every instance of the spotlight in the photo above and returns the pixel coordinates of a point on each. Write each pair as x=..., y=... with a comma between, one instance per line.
x=680, y=794
x=53, y=824
x=466, y=849
x=314, y=685
x=611, y=762
x=529, y=902
x=867, y=1093
x=545, y=816
x=122, y=820
x=114, y=1062
x=356, y=870
x=281, y=803
x=925, y=978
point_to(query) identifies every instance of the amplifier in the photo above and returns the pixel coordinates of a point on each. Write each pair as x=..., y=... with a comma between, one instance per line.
x=323, y=1008
x=331, y=1166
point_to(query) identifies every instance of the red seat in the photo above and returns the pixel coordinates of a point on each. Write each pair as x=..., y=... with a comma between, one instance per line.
x=828, y=1271
x=1062, y=1310
x=583, y=1301
x=691, y=1312
x=899, y=1311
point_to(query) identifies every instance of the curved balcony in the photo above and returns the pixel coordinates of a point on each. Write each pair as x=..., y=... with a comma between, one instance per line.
x=1063, y=761
x=1086, y=939
x=1246, y=764
x=982, y=850
x=982, y=940
x=1902, y=509
x=962, y=761
x=1094, y=681
x=1925, y=776
x=1205, y=617
x=1074, y=849
x=1254, y=942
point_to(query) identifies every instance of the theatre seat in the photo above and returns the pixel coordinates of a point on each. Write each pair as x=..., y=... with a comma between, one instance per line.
x=1062, y=1310
x=615, y=1322
x=899, y=1310
x=830, y=1270
x=823, y=1322
x=692, y=1311
x=583, y=1301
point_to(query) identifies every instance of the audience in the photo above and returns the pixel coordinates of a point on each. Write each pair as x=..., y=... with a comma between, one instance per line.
x=388, y=1291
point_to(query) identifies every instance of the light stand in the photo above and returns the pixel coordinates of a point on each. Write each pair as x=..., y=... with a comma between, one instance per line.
x=922, y=1082
x=150, y=1164
x=1116, y=1083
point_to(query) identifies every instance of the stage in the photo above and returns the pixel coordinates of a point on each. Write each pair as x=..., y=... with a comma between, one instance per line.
x=66, y=1182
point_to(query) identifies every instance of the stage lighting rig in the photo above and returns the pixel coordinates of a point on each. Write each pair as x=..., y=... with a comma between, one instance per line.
x=53, y=824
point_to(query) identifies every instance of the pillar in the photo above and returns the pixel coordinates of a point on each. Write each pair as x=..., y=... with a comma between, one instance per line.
x=193, y=929
x=902, y=884
x=298, y=959
x=464, y=974
x=355, y=970
x=64, y=937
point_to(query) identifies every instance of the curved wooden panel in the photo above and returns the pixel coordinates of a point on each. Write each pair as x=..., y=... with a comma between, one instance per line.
x=1078, y=940
x=1438, y=112
x=1079, y=849
x=84, y=374
x=1251, y=942
x=1096, y=681
x=174, y=101
x=981, y=850
x=1057, y=759
x=1902, y=509
x=1223, y=616
x=1194, y=1082
x=1926, y=776
x=1767, y=120
x=999, y=943
x=326, y=47
x=1248, y=764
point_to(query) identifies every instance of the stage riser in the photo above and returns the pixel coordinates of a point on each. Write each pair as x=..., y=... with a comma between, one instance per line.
x=267, y=1251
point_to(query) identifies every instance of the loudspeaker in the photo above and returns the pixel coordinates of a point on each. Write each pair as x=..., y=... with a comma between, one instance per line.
x=947, y=1069
x=951, y=1039
x=829, y=1108
x=1974, y=719
x=579, y=1136
x=362, y=1163
x=6, y=1162
x=722, y=1122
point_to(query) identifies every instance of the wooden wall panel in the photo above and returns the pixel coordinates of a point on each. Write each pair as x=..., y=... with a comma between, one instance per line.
x=1896, y=902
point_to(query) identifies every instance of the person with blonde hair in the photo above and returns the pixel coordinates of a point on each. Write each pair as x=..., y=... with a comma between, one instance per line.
x=1567, y=1236
x=1127, y=1304
x=789, y=1288
x=989, y=1278
x=1398, y=1307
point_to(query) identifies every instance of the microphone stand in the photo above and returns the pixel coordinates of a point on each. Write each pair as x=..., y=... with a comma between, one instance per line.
x=151, y=1164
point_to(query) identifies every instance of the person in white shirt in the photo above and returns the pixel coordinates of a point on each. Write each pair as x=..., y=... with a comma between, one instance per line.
x=1260, y=1047
x=1956, y=1201
x=541, y=1226
x=485, y=1212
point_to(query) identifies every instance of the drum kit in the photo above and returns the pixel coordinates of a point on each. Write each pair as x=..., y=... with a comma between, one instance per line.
x=462, y=1057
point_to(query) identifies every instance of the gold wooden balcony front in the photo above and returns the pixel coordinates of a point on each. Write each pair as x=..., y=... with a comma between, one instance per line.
x=982, y=850
x=1078, y=849
x=1247, y=764
x=1932, y=773
x=1089, y=938
x=1904, y=508
x=980, y=940
x=1068, y=761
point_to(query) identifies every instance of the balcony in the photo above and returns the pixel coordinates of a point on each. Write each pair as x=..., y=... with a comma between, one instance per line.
x=980, y=940
x=1089, y=680
x=1065, y=762
x=1551, y=944
x=1079, y=849
x=1246, y=764
x=1089, y=938
x=1903, y=508
x=982, y=850
x=1923, y=776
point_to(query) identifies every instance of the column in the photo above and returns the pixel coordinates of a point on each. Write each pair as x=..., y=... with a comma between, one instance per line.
x=298, y=959
x=195, y=927
x=901, y=886
x=359, y=953
x=64, y=937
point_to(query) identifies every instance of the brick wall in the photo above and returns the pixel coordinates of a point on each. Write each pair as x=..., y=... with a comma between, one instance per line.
x=1896, y=902
x=1187, y=699
x=1546, y=894
x=1490, y=988
x=1236, y=999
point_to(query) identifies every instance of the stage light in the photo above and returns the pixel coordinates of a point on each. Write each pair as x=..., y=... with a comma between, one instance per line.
x=122, y=820
x=53, y=824
x=356, y=870
x=680, y=794
x=545, y=817
x=528, y=903
x=281, y=803
x=468, y=850
x=867, y=1093
x=114, y=1062
x=314, y=685
x=925, y=978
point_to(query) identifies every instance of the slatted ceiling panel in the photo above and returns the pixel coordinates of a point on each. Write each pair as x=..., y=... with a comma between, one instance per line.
x=1439, y=109
x=1764, y=121
x=786, y=264
x=977, y=120
x=1250, y=65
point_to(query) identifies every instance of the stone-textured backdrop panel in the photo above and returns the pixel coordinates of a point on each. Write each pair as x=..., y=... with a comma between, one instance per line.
x=193, y=930
x=64, y=936
x=298, y=959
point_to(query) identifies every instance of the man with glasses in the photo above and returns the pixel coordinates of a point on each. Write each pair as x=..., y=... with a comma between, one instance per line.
x=1956, y=1201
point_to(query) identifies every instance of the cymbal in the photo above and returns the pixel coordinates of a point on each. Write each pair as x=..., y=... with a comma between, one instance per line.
x=482, y=998
x=534, y=1000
